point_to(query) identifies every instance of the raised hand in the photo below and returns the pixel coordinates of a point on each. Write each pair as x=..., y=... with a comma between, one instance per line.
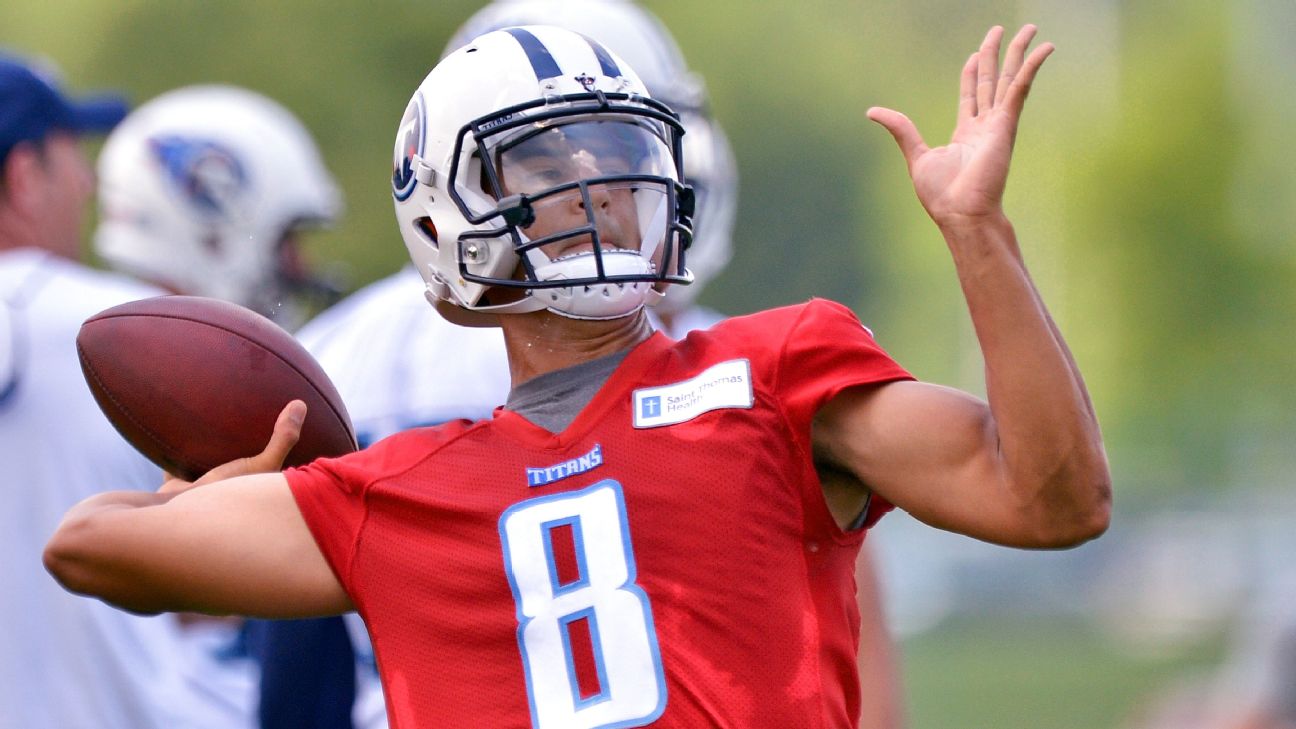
x=962, y=183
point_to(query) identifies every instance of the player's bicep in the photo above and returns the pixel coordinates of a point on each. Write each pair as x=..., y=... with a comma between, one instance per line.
x=234, y=547
x=930, y=450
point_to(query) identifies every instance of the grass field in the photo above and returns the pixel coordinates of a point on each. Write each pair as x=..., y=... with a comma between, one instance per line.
x=1027, y=674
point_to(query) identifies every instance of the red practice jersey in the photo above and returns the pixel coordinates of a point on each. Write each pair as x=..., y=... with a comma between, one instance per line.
x=668, y=559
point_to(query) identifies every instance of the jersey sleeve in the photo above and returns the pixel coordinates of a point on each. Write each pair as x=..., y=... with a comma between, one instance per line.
x=826, y=351
x=333, y=494
x=330, y=494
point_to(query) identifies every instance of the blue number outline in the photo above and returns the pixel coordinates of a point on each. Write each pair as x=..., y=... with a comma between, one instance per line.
x=630, y=586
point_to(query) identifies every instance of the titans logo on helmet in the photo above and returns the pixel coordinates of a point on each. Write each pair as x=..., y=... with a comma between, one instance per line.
x=206, y=174
x=409, y=142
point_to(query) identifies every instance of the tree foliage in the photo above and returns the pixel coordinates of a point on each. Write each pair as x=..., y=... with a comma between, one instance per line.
x=1152, y=187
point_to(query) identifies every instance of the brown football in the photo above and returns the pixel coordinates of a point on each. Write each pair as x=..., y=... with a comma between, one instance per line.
x=194, y=382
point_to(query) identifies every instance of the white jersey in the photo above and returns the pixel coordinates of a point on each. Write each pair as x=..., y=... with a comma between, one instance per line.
x=68, y=661
x=220, y=681
x=692, y=318
x=398, y=364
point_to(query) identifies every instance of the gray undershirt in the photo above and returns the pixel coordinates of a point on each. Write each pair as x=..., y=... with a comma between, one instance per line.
x=554, y=399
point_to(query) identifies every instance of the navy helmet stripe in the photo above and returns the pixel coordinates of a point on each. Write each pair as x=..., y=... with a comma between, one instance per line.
x=542, y=61
x=610, y=68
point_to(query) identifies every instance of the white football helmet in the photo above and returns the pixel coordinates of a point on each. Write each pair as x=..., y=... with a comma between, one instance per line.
x=199, y=188
x=533, y=171
x=636, y=35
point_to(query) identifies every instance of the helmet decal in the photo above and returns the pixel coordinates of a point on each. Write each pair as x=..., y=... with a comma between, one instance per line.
x=206, y=174
x=409, y=143
x=606, y=62
x=544, y=65
x=542, y=61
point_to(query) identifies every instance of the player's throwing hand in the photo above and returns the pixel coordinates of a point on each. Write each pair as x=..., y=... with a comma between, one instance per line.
x=287, y=431
x=962, y=182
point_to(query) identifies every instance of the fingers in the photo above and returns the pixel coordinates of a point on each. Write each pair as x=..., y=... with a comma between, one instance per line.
x=1015, y=97
x=287, y=430
x=988, y=69
x=1013, y=60
x=983, y=86
x=967, y=88
x=902, y=130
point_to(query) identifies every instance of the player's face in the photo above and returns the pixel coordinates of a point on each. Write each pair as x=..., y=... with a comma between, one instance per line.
x=66, y=183
x=563, y=155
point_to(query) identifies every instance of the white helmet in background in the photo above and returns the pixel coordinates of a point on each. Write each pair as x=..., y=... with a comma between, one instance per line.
x=532, y=171
x=637, y=36
x=200, y=190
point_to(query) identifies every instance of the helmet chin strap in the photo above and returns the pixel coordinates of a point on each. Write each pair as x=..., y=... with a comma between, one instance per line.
x=599, y=301
x=596, y=302
x=593, y=302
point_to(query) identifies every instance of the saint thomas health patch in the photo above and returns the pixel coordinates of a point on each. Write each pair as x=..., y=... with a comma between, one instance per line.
x=725, y=385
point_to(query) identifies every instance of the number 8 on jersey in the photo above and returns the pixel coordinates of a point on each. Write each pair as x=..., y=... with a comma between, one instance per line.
x=585, y=628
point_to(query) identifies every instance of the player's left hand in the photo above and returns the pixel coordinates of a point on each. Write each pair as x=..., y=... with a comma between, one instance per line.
x=962, y=183
x=287, y=430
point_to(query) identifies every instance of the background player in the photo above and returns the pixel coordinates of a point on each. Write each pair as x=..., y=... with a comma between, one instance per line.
x=207, y=191
x=1026, y=470
x=66, y=663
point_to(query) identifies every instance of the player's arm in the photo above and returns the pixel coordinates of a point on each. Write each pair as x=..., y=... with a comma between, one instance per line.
x=1028, y=468
x=219, y=546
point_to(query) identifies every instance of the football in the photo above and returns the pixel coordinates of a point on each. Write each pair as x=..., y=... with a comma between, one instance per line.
x=194, y=382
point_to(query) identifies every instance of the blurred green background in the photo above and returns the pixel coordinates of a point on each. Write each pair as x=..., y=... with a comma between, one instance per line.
x=1153, y=193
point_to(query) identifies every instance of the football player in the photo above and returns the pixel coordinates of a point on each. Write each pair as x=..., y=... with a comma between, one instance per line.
x=425, y=371
x=65, y=663
x=648, y=530
x=207, y=190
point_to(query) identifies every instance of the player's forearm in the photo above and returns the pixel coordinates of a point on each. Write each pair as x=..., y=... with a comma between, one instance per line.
x=83, y=555
x=1049, y=439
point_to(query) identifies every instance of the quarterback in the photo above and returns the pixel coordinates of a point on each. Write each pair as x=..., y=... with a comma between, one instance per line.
x=686, y=559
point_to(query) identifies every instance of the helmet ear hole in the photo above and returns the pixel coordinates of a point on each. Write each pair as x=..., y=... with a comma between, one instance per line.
x=483, y=177
x=425, y=226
